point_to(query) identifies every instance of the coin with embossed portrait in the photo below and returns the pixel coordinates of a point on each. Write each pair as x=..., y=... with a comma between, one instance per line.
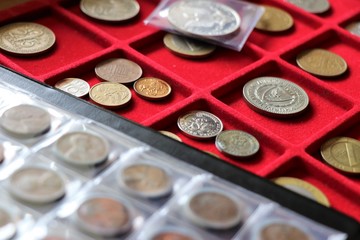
x=312, y=6
x=26, y=38
x=152, y=89
x=74, y=86
x=110, y=95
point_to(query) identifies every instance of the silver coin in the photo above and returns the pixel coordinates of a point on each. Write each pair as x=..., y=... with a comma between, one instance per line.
x=354, y=28
x=312, y=6
x=200, y=124
x=74, y=86
x=237, y=143
x=203, y=17
x=275, y=97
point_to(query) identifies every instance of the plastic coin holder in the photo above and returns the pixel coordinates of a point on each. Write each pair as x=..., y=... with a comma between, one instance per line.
x=8, y=152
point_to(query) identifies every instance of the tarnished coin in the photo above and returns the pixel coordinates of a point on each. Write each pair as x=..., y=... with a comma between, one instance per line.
x=236, y=143
x=110, y=95
x=274, y=20
x=354, y=28
x=200, y=124
x=187, y=47
x=214, y=209
x=37, y=184
x=282, y=230
x=7, y=225
x=25, y=121
x=303, y=188
x=275, y=97
x=110, y=10
x=104, y=216
x=145, y=180
x=26, y=38
x=82, y=148
x=175, y=233
x=151, y=88
x=203, y=18
x=312, y=6
x=342, y=153
x=321, y=62
x=118, y=70
x=74, y=86
x=171, y=135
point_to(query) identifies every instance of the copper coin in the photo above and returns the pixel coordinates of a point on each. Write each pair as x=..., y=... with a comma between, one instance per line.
x=321, y=62
x=171, y=135
x=171, y=236
x=110, y=10
x=274, y=20
x=26, y=38
x=110, y=95
x=74, y=86
x=103, y=216
x=118, y=70
x=26, y=121
x=152, y=88
x=7, y=225
x=284, y=231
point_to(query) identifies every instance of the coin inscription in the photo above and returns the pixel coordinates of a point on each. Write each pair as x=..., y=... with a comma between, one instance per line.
x=110, y=95
x=74, y=86
x=152, y=88
x=274, y=20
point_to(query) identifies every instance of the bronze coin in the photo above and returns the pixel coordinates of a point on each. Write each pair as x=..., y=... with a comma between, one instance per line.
x=151, y=88
x=283, y=231
x=110, y=95
x=274, y=20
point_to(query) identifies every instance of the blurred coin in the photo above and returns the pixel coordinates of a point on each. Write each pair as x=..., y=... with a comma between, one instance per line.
x=282, y=230
x=354, y=28
x=312, y=6
x=110, y=10
x=342, y=153
x=151, y=88
x=53, y=238
x=7, y=225
x=200, y=124
x=274, y=20
x=110, y=95
x=25, y=121
x=203, y=18
x=26, y=38
x=321, y=62
x=74, y=86
x=303, y=188
x=2, y=153
x=171, y=135
x=187, y=47
x=82, y=148
x=118, y=70
x=236, y=143
x=175, y=234
x=275, y=97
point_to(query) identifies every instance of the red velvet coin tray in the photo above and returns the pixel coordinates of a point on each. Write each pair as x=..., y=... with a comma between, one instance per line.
x=289, y=147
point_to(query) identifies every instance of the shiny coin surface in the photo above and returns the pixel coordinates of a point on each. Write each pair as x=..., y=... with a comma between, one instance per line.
x=303, y=188
x=275, y=97
x=203, y=17
x=187, y=47
x=110, y=95
x=236, y=143
x=118, y=70
x=82, y=148
x=110, y=10
x=26, y=38
x=74, y=86
x=37, y=185
x=7, y=225
x=151, y=88
x=274, y=20
x=25, y=121
x=342, y=153
x=312, y=6
x=282, y=230
x=354, y=28
x=200, y=124
x=321, y=62
x=214, y=209
x=145, y=180
x=171, y=135
x=103, y=216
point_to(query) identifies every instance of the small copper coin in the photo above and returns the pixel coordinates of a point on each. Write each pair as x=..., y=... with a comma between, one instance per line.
x=110, y=10
x=103, y=216
x=342, y=153
x=74, y=86
x=151, y=88
x=110, y=95
x=321, y=62
x=171, y=135
x=7, y=225
x=187, y=47
x=354, y=28
x=284, y=231
x=26, y=38
x=274, y=20
x=118, y=70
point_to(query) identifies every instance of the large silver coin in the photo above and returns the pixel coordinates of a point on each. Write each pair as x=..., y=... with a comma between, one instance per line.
x=312, y=6
x=200, y=124
x=275, y=97
x=203, y=17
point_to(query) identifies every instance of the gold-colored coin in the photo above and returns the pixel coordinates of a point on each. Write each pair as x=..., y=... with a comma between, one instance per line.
x=187, y=47
x=342, y=153
x=303, y=188
x=274, y=20
x=110, y=95
x=171, y=135
x=152, y=88
x=321, y=62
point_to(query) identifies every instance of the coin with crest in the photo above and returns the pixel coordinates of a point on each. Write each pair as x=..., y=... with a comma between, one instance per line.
x=152, y=89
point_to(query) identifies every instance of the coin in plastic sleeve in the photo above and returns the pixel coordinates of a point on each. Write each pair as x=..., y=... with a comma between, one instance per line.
x=174, y=233
x=8, y=227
